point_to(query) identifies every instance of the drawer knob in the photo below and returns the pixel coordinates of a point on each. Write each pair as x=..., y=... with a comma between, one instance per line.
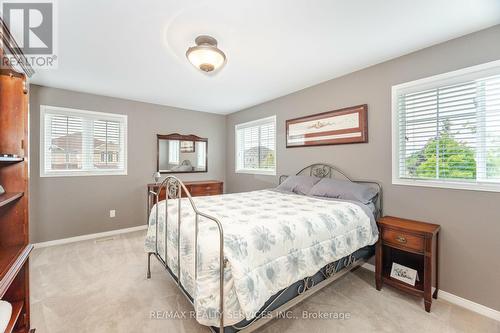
x=401, y=239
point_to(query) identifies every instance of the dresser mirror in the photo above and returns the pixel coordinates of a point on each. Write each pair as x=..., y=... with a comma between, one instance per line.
x=182, y=153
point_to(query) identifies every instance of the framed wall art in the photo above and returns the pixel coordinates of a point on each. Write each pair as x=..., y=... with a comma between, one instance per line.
x=348, y=125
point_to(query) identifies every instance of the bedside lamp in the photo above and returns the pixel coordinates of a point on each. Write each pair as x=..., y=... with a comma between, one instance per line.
x=157, y=177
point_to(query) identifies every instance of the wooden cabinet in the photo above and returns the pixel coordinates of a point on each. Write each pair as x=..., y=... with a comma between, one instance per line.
x=14, y=231
x=412, y=244
x=197, y=188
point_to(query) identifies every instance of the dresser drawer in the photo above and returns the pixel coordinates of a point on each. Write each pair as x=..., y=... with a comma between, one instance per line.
x=403, y=239
x=206, y=187
x=196, y=193
x=197, y=190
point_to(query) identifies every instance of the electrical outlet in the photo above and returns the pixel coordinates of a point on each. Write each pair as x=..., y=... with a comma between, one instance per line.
x=112, y=213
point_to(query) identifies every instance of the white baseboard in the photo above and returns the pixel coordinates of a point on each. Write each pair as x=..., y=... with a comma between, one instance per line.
x=90, y=236
x=457, y=300
x=470, y=305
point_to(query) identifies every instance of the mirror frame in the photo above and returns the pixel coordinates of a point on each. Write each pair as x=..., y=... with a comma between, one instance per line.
x=180, y=137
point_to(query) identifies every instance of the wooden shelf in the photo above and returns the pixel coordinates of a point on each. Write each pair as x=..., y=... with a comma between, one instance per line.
x=417, y=289
x=10, y=160
x=14, y=207
x=12, y=260
x=17, y=308
x=9, y=197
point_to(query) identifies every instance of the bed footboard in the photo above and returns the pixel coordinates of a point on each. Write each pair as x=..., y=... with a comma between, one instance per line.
x=174, y=188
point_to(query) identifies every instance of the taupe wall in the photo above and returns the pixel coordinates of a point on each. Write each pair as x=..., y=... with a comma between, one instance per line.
x=70, y=206
x=470, y=220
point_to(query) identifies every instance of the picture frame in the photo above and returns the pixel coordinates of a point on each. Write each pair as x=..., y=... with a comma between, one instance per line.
x=343, y=126
x=405, y=274
x=187, y=146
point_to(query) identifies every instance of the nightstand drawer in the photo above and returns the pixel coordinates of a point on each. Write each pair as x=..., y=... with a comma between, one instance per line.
x=403, y=239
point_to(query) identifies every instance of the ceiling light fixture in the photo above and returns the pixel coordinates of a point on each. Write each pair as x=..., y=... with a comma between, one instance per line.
x=205, y=55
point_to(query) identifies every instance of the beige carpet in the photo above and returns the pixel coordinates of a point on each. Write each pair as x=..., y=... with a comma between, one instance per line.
x=101, y=286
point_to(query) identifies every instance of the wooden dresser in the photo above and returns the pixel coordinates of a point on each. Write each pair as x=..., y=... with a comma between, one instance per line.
x=412, y=244
x=197, y=188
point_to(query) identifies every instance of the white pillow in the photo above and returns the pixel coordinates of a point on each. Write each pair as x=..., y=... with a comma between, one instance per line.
x=5, y=313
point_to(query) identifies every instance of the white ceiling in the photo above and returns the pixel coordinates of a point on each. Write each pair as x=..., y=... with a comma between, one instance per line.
x=136, y=49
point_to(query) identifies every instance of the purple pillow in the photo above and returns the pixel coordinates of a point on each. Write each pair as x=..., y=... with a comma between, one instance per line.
x=298, y=184
x=342, y=189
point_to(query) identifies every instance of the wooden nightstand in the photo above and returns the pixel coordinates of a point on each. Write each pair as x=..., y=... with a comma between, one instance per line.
x=412, y=244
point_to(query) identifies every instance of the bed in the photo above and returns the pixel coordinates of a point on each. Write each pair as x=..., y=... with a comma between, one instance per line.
x=275, y=247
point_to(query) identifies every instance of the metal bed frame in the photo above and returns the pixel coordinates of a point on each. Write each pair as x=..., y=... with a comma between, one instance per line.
x=174, y=188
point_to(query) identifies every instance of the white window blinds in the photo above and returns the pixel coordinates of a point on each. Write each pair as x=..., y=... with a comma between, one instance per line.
x=201, y=154
x=173, y=151
x=256, y=146
x=448, y=130
x=76, y=142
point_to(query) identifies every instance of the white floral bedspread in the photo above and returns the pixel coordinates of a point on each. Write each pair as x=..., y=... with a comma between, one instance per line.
x=271, y=240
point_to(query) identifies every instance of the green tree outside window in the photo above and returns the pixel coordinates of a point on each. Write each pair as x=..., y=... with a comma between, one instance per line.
x=456, y=160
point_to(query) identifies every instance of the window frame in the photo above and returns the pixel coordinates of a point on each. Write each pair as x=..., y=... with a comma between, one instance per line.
x=257, y=122
x=449, y=78
x=122, y=118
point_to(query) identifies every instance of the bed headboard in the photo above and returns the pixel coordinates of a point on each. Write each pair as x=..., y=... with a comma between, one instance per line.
x=322, y=170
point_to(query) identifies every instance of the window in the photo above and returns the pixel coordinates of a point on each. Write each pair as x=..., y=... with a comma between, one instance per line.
x=173, y=152
x=256, y=146
x=201, y=154
x=82, y=143
x=446, y=130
